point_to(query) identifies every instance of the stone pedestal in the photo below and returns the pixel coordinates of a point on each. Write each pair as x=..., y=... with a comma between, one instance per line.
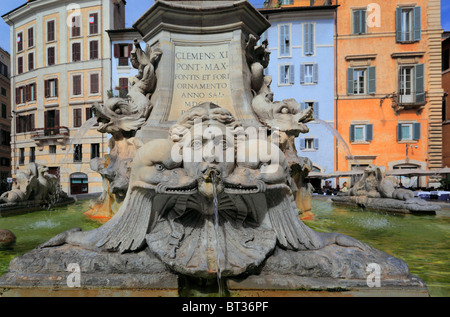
x=203, y=59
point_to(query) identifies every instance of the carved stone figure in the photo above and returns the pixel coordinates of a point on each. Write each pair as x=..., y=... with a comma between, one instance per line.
x=169, y=206
x=375, y=190
x=34, y=184
x=122, y=118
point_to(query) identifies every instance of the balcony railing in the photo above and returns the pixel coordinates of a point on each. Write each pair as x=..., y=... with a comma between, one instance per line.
x=44, y=133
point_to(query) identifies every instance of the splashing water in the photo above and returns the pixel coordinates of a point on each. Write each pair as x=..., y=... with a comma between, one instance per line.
x=340, y=139
x=78, y=136
x=216, y=230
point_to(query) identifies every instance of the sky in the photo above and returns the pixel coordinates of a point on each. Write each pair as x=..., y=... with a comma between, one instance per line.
x=135, y=8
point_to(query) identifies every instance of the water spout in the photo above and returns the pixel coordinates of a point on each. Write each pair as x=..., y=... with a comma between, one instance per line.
x=341, y=140
x=213, y=176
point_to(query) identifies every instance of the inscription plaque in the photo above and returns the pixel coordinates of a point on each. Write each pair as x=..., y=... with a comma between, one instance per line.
x=201, y=74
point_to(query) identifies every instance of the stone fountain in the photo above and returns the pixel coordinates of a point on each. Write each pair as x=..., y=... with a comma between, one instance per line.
x=376, y=191
x=211, y=193
x=33, y=189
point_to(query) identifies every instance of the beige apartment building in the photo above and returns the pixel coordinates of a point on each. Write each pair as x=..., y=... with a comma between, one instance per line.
x=5, y=121
x=60, y=67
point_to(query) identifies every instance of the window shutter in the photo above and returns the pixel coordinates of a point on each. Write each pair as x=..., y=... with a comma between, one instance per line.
x=116, y=50
x=316, y=143
x=302, y=144
x=45, y=120
x=27, y=93
x=419, y=73
x=282, y=74
x=356, y=22
x=316, y=73
x=399, y=132
x=56, y=87
x=350, y=88
x=316, y=110
x=372, y=87
x=130, y=48
x=46, y=89
x=311, y=39
x=17, y=96
x=417, y=23
x=302, y=73
x=308, y=36
x=399, y=30
x=369, y=132
x=56, y=118
x=32, y=126
x=291, y=74
x=352, y=132
x=282, y=44
x=416, y=131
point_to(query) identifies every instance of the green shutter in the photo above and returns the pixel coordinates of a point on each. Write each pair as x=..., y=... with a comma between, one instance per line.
x=306, y=37
x=302, y=143
x=356, y=22
x=372, y=87
x=419, y=74
x=282, y=75
x=352, y=132
x=315, y=73
x=399, y=24
x=316, y=143
x=291, y=74
x=416, y=131
x=302, y=73
x=399, y=132
x=417, y=23
x=369, y=132
x=316, y=110
x=350, y=88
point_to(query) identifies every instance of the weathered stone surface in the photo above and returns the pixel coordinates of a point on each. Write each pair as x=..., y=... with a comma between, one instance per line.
x=49, y=267
x=6, y=237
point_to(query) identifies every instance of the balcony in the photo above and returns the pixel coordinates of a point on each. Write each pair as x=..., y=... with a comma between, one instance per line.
x=59, y=135
x=407, y=102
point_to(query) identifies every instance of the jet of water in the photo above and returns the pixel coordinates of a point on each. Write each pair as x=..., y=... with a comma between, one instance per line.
x=216, y=229
x=341, y=140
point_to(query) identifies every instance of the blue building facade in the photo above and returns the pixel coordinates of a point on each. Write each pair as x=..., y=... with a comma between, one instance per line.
x=302, y=66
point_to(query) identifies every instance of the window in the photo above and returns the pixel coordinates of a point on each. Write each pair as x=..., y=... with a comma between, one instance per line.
x=76, y=26
x=94, y=84
x=310, y=144
x=30, y=37
x=20, y=42
x=286, y=75
x=123, y=84
x=76, y=85
x=445, y=60
x=4, y=111
x=32, y=154
x=6, y=138
x=20, y=95
x=284, y=40
x=122, y=52
x=30, y=92
x=51, y=88
x=93, y=23
x=408, y=131
x=361, y=81
x=361, y=132
x=50, y=56
x=4, y=93
x=30, y=61
x=20, y=65
x=50, y=31
x=52, y=149
x=408, y=24
x=77, y=118
x=95, y=150
x=359, y=21
x=308, y=39
x=78, y=153
x=51, y=122
x=76, y=52
x=309, y=74
x=3, y=69
x=287, y=1
x=21, y=156
x=411, y=84
x=93, y=50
